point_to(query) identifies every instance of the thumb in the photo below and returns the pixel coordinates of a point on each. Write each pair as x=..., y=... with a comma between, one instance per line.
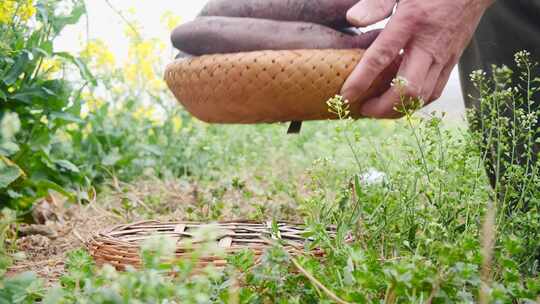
x=368, y=12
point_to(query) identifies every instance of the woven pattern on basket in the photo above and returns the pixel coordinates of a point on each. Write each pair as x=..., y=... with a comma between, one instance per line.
x=264, y=86
x=120, y=246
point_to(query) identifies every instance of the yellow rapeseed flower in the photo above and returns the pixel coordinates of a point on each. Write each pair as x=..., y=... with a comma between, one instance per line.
x=130, y=73
x=97, y=52
x=147, y=70
x=177, y=124
x=170, y=20
x=144, y=49
x=147, y=113
x=27, y=10
x=51, y=65
x=7, y=9
x=143, y=56
x=92, y=102
x=24, y=9
x=157, y=84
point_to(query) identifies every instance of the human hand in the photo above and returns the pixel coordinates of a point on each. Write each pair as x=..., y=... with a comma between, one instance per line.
x=432, y=35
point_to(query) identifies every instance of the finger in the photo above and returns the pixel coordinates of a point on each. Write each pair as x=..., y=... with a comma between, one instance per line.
x=431, y=81
x=443, y=80
x=368, y=12
x=376, y=59
x=364, y=40
x=413, y=71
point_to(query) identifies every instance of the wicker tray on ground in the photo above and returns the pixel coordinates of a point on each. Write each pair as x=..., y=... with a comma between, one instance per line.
x=120, y=246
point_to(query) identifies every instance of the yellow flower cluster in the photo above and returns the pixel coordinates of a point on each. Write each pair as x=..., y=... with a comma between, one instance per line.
x=51, y=65
x=143, y=57
x=148, y=113
x=92, y=103
x=97, y=53
x=139, y=75
x=177, y=123
x=23, y=9
x=170, y=20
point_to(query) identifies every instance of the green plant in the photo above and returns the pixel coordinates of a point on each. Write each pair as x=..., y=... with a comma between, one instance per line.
x=507, y=130
x=36, y=99
x=413, y=194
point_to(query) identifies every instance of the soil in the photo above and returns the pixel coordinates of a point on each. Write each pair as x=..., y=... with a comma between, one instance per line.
x=60, y=227
x=45, y=254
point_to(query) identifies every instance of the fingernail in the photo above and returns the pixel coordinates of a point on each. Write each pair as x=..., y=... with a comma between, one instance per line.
x=357, y=15
x=347, y=95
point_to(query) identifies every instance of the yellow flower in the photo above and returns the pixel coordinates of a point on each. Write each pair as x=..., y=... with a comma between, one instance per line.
x=23, y=8
x=147, y=70
x=170, y=20
x=130, y=73
x=51, y=66
x=92, y=102
x=117, y=89
x=95, y=103
x=177, y=123
x=144, y=49
x=88, y=129
x=97, y=52
x=157, y=84
x=144, y=112
x=143, y=57
x=133, y=30
x=27, y=10
x=7, y=9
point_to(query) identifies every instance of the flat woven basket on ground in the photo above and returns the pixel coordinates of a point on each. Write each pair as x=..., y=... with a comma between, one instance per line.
x=120, y=246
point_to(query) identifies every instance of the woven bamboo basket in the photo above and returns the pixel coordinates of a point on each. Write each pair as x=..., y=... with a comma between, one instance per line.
x=120, y=246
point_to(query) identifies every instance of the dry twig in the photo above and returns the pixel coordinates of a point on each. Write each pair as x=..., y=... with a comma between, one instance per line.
x=318, y=284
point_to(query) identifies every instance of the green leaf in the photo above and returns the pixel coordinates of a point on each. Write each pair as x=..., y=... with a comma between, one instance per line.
x=357, y=187
x=66, y=164
x=65, y=116
x=83, y=68
x=20, y=288
x=8, y=175
x=9, y=172
x=8, y=148
x=111, y=159
x=45, y=50
x=42, y=12
x=44, y=186
x=59, y=22
x=14, y=194
x=17, y=69
x=30, y=95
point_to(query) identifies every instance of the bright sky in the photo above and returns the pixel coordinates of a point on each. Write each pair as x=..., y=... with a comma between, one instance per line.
x=106, y=25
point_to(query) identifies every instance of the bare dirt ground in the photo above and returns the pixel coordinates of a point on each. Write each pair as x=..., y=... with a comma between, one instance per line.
x=44, y=246
x=62, y=227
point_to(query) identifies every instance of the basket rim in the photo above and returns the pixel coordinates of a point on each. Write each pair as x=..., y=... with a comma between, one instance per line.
x=107, y=235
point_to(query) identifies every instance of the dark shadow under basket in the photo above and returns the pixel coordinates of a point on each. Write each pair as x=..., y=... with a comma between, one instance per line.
x=120, y=246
